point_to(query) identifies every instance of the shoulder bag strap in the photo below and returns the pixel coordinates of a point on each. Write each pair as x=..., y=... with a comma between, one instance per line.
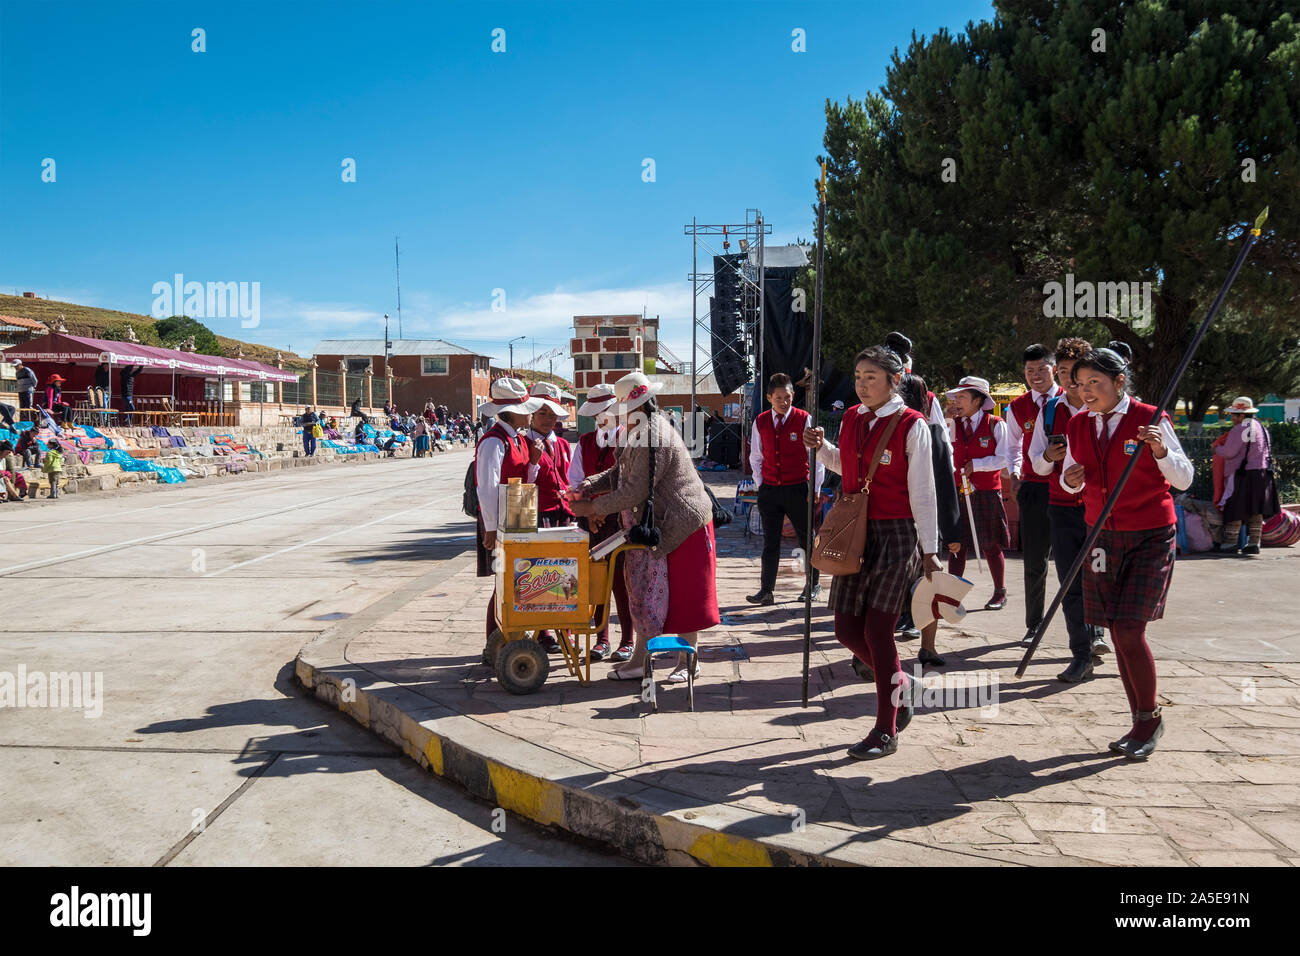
x=880, y=448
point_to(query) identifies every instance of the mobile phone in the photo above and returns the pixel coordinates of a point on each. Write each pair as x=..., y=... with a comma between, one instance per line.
x=1056, y=439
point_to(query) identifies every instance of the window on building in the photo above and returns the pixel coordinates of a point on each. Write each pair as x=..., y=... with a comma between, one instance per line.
x=358, y=366
x=581, y=363
x=433, y=365
x=615, y=330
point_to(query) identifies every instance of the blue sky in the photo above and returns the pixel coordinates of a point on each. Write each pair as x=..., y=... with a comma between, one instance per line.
x=519, y=171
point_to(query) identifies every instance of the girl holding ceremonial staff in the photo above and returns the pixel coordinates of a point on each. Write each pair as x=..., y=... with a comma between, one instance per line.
x=902, y=534
x=1126, y=578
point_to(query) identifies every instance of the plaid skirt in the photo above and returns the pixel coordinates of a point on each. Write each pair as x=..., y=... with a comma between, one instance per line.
x=1133, y=582
x=990, y=520
x=891, y=564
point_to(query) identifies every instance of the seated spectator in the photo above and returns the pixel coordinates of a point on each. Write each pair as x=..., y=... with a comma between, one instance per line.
x=53, y=395
x=11, y=470
x=358, y=413
x=7, y=413
x=28, y=448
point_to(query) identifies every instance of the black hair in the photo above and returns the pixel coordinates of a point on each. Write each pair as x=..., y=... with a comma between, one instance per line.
x=912, y=391
x=1068, y=350
x=1110, y=362
x=900, y=345
x=1039, y=353
x=886, y=358
x=1122, y=349
x=778, y=380
x=6, y=446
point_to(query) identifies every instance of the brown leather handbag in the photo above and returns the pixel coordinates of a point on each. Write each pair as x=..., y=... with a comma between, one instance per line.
x=839, y=545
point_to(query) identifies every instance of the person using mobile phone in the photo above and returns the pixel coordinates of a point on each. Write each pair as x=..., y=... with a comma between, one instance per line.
x=1065, y=510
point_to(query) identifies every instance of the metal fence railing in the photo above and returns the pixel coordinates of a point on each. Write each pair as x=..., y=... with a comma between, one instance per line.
x=335, y=388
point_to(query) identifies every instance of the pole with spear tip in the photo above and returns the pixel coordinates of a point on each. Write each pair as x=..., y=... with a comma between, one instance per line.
x=1035, y=634
x=810, y=401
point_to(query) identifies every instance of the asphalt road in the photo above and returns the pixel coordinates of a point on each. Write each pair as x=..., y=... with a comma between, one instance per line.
x=187, y=603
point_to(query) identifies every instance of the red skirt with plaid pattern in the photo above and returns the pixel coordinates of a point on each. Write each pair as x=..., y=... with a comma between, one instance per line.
x=1129, y=579
x=990, y=520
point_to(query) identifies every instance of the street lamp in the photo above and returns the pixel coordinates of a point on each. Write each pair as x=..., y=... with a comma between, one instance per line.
x=511, y=344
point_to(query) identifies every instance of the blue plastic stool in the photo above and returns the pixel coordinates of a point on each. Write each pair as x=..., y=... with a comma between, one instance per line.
x=667, y=644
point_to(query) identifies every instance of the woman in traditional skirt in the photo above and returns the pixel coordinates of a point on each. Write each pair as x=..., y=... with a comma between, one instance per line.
x=1249, y=493
x=901, y=533
x=1126, y=578
x=671, y=585
x=979, y=454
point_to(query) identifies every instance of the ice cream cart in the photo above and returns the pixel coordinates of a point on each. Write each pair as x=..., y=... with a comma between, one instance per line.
x=548, y=579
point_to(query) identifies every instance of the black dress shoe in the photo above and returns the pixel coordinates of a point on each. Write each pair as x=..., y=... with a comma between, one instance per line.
x=906, y=708
x=998, y=601
x=1250, y=549
x=927, y=656
x=907, y=634
x=1080, y=670
x=1117, y=746
x=762, y=597
x=864, y=671
x=817, y=592
x=875, y=746
x=1141, y=750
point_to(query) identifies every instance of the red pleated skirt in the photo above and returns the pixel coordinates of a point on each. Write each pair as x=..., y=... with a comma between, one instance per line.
x=692, y=584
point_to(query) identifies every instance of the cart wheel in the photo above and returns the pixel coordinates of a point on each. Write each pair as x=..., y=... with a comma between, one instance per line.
x=493, y=648
x=522, y=666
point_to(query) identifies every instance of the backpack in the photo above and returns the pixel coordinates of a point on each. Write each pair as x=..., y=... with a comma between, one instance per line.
x=469, y=501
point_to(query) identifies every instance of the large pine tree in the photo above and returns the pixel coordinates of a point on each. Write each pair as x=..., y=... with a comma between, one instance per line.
x=1119, y=142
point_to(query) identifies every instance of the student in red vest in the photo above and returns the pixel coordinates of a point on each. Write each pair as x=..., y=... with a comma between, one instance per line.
x=902, y=533
x=1126, y=579
x=597, y=452
x=979, y=453
x=501, y=454
x=1031, y=496
x=1065, y=511
x=779, y=461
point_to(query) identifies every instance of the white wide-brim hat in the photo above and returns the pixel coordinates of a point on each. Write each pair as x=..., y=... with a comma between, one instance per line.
x=510, y=395
x=600, y=401
x=974, y=383
x=548, y=396
x=634, y=390
x=1241, y=405
x=939, y=597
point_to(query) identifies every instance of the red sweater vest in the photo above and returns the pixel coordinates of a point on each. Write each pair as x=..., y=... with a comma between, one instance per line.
x=981, y=445
x=785, y=459
x=594, y=458
x=1056, y=495
x=1025, y=412
x=515, y=463
x=552, y=475
x=889, y=496
x=1146, y=502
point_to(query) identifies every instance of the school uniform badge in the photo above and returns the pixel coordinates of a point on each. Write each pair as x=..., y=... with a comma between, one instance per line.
x=885, y=457
x=1130, y=446
x=1029, y=426
x=794, y=436
x=984, y=443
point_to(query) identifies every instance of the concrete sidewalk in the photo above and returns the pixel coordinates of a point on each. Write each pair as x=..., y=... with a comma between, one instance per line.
x=753, y=778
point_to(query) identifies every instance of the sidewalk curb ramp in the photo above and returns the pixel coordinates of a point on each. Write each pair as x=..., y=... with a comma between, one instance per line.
x=649, y=824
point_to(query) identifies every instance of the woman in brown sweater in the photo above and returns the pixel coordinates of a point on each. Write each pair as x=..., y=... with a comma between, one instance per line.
x=671, y=586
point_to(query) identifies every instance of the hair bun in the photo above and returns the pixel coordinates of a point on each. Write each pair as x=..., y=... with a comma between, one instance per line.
x=1121, y=349
x=898, y=343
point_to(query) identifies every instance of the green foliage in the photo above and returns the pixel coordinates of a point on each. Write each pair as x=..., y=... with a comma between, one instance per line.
x=1116, y=166
x=145, y=333
x=175, y=330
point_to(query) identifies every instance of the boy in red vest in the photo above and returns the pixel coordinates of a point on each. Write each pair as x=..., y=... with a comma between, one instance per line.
x=1065, y=511
x=1032, y=495
x=502, y=454
x=1126, y=579
x=779, y=461
x=596, y=453
x=979, y=453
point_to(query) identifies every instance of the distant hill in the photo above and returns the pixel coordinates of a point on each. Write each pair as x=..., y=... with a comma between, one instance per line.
x=93, y=323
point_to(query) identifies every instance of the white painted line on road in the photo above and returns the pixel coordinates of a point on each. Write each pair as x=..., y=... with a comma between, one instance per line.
x=267, y=487
x=148, y=539
x=324, y=537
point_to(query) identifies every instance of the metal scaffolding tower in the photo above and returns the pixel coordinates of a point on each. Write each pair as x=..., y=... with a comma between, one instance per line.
x=747, y=343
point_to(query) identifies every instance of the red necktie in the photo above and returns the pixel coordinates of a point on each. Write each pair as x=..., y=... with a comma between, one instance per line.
x=1105, y=433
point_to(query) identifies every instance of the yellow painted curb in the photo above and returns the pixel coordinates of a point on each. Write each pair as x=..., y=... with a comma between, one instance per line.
x=533, y=797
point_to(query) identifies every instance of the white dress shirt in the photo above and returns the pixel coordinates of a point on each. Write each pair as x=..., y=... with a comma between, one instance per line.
x=604, y=439
x=756, y=448
x=487, y=474
x=1016, y=434
x=999, y=457
x=1038, y=444
x=936, y=417
x=1175, y=466
x=920, y=473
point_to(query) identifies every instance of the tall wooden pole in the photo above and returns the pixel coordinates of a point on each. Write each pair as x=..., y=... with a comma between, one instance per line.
x=810, y=402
